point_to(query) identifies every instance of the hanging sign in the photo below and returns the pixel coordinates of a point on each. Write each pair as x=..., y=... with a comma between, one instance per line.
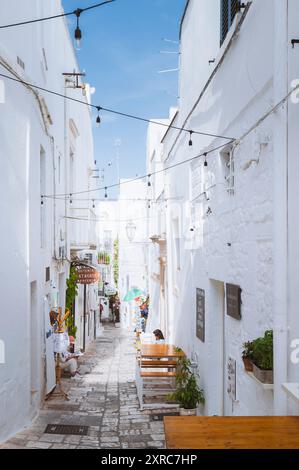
x=233, y=301
x=200, y=314
x=87, y=275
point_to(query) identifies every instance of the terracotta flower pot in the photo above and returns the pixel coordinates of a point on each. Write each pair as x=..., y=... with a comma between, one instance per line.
x=264, y=376
x=186, y=412
x=247, y=364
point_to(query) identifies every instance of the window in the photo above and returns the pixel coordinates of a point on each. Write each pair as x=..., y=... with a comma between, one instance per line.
x=229, y=9
x=227, y=158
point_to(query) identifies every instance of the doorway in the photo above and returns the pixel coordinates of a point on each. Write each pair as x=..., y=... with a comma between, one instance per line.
x=218, y=354
x=34, y=343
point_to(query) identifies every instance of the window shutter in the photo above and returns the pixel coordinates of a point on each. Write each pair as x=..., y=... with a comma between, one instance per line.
x=229, y=9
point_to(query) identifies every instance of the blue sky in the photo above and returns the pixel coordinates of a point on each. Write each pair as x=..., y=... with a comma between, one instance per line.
x=120, y=54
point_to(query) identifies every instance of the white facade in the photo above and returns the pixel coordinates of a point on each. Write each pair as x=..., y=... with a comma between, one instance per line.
x=133, y=259
x=46, y=147
x=235, y=221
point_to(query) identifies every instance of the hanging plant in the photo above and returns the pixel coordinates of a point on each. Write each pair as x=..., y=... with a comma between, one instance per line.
x=71, y=294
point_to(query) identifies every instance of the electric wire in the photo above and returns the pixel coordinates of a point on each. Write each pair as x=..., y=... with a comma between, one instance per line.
x=111, y=111
x=61, y=15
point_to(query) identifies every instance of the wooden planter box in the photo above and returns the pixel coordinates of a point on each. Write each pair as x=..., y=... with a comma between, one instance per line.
x=264, y=376
x=247, y=364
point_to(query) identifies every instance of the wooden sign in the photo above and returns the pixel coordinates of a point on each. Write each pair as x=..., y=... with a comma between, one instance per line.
x=87, y=275
x=233, y=301
x=200, y=314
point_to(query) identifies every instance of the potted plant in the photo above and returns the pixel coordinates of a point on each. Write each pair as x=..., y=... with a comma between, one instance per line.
x=187, y=394
x=263, y=358
x=247, y=355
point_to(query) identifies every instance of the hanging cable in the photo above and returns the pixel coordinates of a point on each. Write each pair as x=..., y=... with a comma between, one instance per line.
x=61, y=15
x=119, y=113
x=138, y=178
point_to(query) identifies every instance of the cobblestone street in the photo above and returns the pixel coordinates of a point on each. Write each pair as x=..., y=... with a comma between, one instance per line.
x=105, y=400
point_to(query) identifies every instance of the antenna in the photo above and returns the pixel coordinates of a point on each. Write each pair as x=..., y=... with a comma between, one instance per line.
x=170, y=40
x=169, y=70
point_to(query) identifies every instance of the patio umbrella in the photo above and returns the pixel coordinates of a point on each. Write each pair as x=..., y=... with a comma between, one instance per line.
x=133, y=294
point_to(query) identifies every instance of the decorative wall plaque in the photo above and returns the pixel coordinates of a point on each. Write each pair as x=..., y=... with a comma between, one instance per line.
x=233, y=301
x=200, y=314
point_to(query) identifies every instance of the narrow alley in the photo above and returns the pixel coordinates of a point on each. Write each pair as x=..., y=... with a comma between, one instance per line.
x=104, y=400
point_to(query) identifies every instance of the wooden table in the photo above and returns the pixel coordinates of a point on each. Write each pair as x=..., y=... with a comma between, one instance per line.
x=232, y=432
x=158, y=350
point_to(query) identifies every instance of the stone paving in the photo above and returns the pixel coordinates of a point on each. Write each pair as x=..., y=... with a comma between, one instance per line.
x=105, y=400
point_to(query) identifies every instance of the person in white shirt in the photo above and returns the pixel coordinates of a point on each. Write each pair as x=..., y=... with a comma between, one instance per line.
x=159, y=336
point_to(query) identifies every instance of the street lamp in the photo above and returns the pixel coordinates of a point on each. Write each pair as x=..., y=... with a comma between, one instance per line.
x=131, y=230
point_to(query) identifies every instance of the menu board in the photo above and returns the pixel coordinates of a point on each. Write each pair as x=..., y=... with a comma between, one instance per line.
x=200, y=314
x=233, y=301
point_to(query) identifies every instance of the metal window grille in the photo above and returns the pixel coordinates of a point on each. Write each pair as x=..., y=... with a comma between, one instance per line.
x=229, y=9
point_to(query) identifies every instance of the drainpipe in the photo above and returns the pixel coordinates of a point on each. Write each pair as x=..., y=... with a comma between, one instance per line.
x=280, y=164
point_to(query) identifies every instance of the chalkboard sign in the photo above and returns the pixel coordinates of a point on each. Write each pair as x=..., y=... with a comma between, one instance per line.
x=200, y=314
x=233, y=301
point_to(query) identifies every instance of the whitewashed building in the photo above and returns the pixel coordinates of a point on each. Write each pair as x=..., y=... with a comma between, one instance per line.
x=46, y=148
x=133, y=244
x=232, y=217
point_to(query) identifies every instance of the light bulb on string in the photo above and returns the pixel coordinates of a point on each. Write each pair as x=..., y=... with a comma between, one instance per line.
x=98, y=119
x=190, y=139
x=93, y=204
x=71, y=199
x=149, y=181
x=78, y=32
x=148, y=204
x=106, y=194
x=42, y=200
x=205, y=162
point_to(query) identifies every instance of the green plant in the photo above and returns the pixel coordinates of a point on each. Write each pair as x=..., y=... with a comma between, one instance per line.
x=103, y=257
x=188, y=394
x=115, y=262
x=263, y=351
x=71, y=293
x=247, y=350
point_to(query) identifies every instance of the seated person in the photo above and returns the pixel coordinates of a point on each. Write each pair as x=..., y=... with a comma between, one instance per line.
x=68, y=363
x=159, y=336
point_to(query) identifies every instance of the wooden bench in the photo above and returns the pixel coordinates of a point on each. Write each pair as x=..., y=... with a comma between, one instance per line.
x=159, y=364
x=157, y=374
x=232, y=432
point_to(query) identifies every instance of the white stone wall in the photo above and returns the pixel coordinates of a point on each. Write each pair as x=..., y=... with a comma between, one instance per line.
x=133, y=260
x=46, y=50
x=241, y=238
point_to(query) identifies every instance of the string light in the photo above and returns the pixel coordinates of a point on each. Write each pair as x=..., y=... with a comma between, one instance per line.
x=149, y=181
x=205, y=162
x=93, y=204
x=119, y=113
x=138, y=178
x=71, y=199
x=106, y=194
x=190, y=140
x=78, y=32
x=42, y=200
x=61, y=15
x=98, y=120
